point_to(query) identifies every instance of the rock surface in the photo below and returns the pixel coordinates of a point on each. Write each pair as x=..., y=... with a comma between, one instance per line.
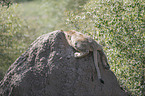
x=48, y=68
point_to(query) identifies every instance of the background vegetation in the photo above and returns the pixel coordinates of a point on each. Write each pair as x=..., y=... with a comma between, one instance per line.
x=117, y=25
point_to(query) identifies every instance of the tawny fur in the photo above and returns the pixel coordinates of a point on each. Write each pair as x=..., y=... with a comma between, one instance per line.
x=84, y=44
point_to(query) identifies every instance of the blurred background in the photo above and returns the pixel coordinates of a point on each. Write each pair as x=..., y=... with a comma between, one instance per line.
x=118, y=25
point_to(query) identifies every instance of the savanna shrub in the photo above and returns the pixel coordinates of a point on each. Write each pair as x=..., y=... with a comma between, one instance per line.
x=118, y=26
x=14, y=37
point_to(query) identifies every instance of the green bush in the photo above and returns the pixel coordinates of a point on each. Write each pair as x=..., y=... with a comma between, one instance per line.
x=18, y=1
x=119, y=27
x=14, y=38
x=5, y=3
x=55, y=11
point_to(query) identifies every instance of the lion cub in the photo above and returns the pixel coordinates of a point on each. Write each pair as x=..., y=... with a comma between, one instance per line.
x=84, y=44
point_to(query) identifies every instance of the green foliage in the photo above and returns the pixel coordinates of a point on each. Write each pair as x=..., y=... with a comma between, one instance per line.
x=13, y=37
x=36, y=19
x=5, y=3
x=18, y=1
x=75, y=5
x=16, y=33
x=55, y=10
x=119, y=27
